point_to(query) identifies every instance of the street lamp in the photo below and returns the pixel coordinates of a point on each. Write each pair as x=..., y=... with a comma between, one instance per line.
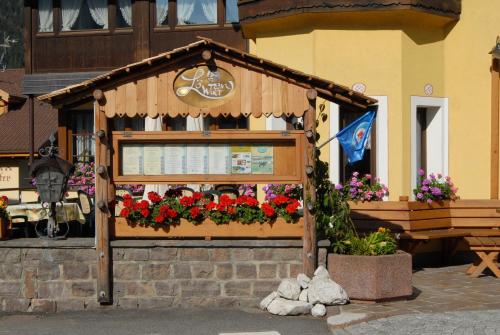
x=52, y=174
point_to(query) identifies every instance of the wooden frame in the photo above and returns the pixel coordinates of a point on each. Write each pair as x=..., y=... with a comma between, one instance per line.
x=288, y=155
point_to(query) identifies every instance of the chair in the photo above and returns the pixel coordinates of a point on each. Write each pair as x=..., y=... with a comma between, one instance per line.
x=230, y=192
x=85, y=204
x=185, y=191
x=20, y=226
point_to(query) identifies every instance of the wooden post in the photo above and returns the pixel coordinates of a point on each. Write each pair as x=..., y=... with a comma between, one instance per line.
x=495, y=111
x=102, y=212
x=309, y=251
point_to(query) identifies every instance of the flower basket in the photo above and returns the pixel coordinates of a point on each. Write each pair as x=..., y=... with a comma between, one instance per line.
x=279, y=228
x=4, y=229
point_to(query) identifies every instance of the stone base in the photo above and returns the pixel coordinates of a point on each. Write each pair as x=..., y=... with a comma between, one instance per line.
x=373, y=278
x=62, y=275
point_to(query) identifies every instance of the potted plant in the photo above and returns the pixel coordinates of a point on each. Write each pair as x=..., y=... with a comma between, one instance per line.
x=4, y=217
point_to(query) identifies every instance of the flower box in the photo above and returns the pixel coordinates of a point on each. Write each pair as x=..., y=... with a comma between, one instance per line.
x=414, y=216
x=208, y=229
x=373, y=278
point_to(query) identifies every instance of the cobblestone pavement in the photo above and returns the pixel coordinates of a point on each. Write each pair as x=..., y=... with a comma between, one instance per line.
x=451, y=323
x=437, y=290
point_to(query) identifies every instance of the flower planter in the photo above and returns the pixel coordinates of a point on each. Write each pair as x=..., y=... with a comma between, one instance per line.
x=4, y=228
x=208, y=229
x=373, y=278
x=414, y=216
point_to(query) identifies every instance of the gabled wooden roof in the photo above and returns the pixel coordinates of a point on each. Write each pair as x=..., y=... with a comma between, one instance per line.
x=326, y=89
x=9, y=101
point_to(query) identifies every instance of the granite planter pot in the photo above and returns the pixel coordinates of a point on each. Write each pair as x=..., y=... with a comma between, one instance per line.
x=373, y=278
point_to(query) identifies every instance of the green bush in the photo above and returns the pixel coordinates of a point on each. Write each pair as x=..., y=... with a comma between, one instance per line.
x=377, y=243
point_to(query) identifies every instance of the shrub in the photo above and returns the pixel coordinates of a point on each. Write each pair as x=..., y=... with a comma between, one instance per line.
x=377, y=243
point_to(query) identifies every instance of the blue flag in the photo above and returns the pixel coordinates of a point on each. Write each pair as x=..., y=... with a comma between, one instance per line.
x=353, y=137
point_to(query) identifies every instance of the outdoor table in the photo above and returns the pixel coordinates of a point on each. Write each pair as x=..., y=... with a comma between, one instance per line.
x=35, y=212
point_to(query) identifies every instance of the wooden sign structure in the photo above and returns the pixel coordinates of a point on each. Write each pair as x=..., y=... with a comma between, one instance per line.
x=164, y=85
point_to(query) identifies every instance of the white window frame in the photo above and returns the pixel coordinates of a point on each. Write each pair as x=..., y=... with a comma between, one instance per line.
x=442, y=114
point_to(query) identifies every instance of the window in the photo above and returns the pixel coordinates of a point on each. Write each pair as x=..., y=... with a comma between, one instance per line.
x=229, y=122
x=83, y=136
x=232, y=11
x=45, y=16
x=196, y=12
x=124, y=14
x=84, y=14
x=161, y=12
x=129, y=124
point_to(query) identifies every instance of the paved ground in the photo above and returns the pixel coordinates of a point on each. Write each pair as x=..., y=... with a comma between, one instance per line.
x=172, y=321
x=440, y=290
x=452, y=323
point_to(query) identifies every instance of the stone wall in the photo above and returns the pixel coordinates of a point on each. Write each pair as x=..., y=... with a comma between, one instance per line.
x=146, y=274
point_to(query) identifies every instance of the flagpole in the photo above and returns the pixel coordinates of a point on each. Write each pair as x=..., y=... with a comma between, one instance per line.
x=328, y=141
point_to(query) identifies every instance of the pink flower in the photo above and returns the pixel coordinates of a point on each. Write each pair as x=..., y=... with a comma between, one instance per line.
x=429, y=201
x=355, y=174
x=368, y=176
x=421, y=172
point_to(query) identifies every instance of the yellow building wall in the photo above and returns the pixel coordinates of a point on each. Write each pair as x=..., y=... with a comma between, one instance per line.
x=395, y=54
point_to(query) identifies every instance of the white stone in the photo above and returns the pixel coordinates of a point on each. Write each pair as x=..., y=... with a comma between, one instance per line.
x=344, y=319
x=289, y=289
x=303, y=280
x=321, y=272
x=280, y=306
x=303, y=295
x=267, y=300
x=318, y=310
x=327, y=292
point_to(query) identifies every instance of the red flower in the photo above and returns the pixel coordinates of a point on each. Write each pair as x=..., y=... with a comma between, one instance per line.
x=159, y=219
x=154, y=197
x=268, y=210
x=172, y=213
x=211, y=206
x=252, y=202
x=145, y=212
x=195, y=212
x=144, y=204
x=280, y=200
x=164, y=210
x=187, y=201
x=292, y=208
x=197, y=195
x=128, y=202
x=125, y=212
x=126, y=196
x=221, y=207
x=231, y=210
x=225, y=200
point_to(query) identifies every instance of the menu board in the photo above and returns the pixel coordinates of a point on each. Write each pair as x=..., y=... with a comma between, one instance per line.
x=153, y=160
x=241, y=159
x=197, y=159
x=175, y=159
x=132, y=159
x=219, y=159
x=262, y=159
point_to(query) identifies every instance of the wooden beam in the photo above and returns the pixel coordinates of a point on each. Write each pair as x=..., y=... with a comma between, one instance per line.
x=102, y=213
x=309, y=250
x=495, y=111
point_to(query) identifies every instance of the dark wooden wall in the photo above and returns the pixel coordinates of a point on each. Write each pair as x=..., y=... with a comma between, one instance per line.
x=95, y=50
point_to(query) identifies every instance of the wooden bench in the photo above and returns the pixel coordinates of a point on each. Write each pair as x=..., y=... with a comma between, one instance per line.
x=487, y=249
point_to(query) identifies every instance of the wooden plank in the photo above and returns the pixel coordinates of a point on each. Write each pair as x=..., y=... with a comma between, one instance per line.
x=120, y=102
x=475, y=222
x=142, y=97
x=309, y=252
x=495, y=133
x=163, y=94
x=267, y=95
x=245, y=91
x=110, y=107
x=256, y=94
x=130, y=99
x=279, y=229
x=152, y=96
x=277, y=104
x=102, y=216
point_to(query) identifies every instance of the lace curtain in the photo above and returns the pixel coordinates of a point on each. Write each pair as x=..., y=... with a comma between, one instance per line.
x=161, y=11
x=70, y=9
x=126, y=10
x=185, y=9
x=45, y=16
x=99, y=11
x=210, y=10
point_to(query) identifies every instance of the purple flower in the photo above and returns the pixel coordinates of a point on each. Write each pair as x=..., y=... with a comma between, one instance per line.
x=425, y=188
x=436, y=191
x=420, y=196
x=432, y=176
x=426, y=182
x=339, y=187
x=429, y=201
x=421, y=172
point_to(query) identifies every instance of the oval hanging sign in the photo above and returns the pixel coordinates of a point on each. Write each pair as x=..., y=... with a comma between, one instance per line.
x=204, y=86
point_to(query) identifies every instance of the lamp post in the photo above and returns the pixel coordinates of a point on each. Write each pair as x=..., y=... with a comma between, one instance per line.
x=52, y=174
x=495, y=115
